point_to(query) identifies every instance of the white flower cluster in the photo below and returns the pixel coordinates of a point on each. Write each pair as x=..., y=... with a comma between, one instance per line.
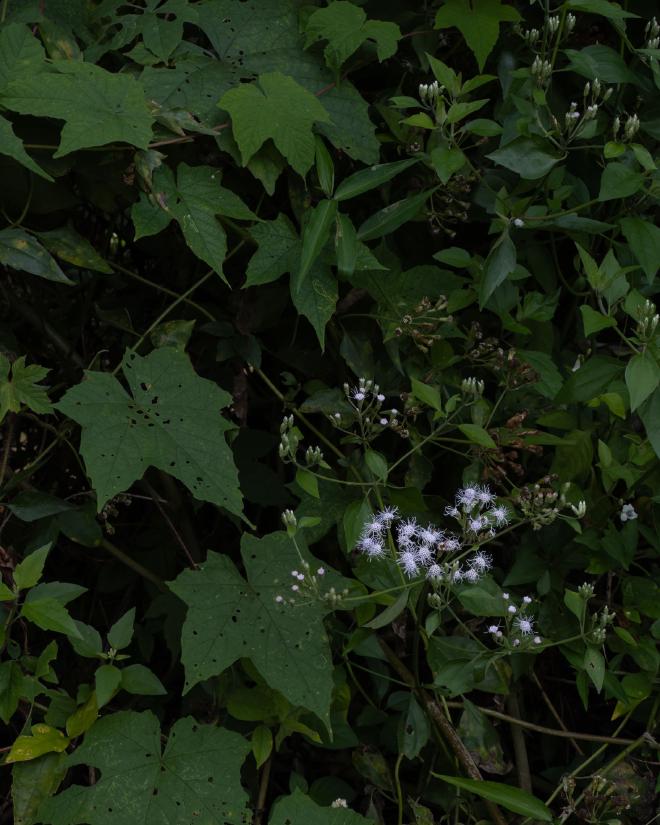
x=421, y=550
x=518, y=627
x=477, y=512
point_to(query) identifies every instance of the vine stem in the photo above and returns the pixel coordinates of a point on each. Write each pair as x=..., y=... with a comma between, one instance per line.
x=9, y=440
x=124, y=558
x=263, y=790
x=442, y=722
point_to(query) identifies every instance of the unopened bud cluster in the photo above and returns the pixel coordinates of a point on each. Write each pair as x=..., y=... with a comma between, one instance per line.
x=630, y=128
x=652, y=34
x=429, y=92
x=541, y=70
x=472, y=388
x=290, y=438
x=600, y=622
x=647, y=321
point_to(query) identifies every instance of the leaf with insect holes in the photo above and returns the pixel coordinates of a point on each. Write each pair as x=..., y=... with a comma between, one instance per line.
x=171, y=420
x=300, y=808
x=97, y=106
x=230, y=618
x=197, y=778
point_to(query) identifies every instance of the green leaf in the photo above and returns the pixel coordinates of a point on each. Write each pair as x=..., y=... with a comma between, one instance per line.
x=644, y=239
x=413, y=731
x=575, y=603
x=308, y=482
x=139, y=680
x=32, y=783
x=279, y=108
x=316, y=297
x=649, y=412
x=49, y=614
x=513, y=799
x=600, y=62
x=23, y=387
x=387, y=616
x=459, y=111
x=44, y=739
x=427, y=394
x=391, y=217
x=262, y=744
x=347, y=246
x=367, y=179
x=106, y=683
x=499, y=264
x=229, y=618
x=197, y=776
x=315, y=234
x=278, y=251
x=11, y=689
x=22, y=252
x=121, y=632
x=619, y=181
x=88, y=642
x=98, y=107
x=30, y=570
x=171, y=421
x=594, y=664
x=642, y=377
x=595, y=321
x=531, y=158
x=325, y=169
x=194, y=201
x=21, y=54
x=477, y=435
x=603, y=7
x=479, y=23
x=346, y=28
x=446, y=161
x=299, y=808
x=12, y=146
x=66, y=244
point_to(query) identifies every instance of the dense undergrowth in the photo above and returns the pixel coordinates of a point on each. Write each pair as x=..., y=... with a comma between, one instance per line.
x=330, y=412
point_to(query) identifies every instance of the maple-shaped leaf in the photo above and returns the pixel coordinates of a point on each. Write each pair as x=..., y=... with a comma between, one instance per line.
x=230, y=618
x=12, y=146
x=279, y=108
x=171, y=420
x=346, y=28
x=196, y=778
x=98, y=107
x=22, y=387
x=193, y=200
x=278, y=251
x=478, y=21
x=300, y=808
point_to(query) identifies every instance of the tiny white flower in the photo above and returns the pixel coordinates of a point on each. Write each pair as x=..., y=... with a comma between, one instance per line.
x=471, y=575
x=515, y=642
x=294, y=573
x=407, y=530
x=484, y=495
x=481, y=561
x=279, y=599
x=370, y=547
x=429, y=535
x=525, y=625
x=320, y=571
x=476, y=524
x=537, y=640
x=380, y=397
x=499, y=634
x=434, y=572
x=339, y=803
x=359, y=396
x=518, y=222
x=628, y=513
x=408, y=562
x=383, y=422
x=512, y=609
x=452, y=511
x=387, y=515
x=450, y=544
x=505, y=596
x=467, y=496
x=500, y=515
x=527, y=599
x=493, y=628
x=458, y=576
x=424, y=555
x=338, y=416
x=394, y=411
x=373, y=527
x=295, y=588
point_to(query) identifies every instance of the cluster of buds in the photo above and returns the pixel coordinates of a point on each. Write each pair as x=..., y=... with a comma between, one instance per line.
x=518, y=631
x=569, y=23
x=422, y=321
x=652, y=34
x=472, y=388
x=647, y=321
x=367, y=410
x=306, y=587
x=290, y=438
x=110, y=511
x=600, y=622
x=539, y=503
x=630, y=128
x=429, y=92
x=541, y=70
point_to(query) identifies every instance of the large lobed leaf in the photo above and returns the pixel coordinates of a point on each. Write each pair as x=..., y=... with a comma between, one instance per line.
x=170, y=421
x=230, y=618
x=195, y=779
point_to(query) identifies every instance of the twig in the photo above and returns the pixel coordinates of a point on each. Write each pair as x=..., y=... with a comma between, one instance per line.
x=8, y=441
x=554, y=712
x=156, y=500
x=263, y=791
x=442, y=721
x=519, y=746
x=124, y=558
